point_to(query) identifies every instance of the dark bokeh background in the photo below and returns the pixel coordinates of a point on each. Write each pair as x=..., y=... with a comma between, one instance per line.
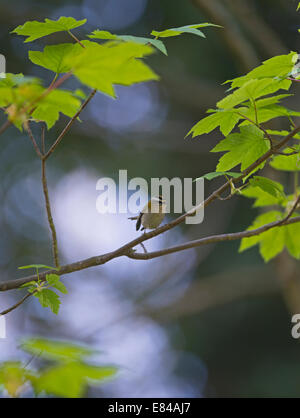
x=207, y=322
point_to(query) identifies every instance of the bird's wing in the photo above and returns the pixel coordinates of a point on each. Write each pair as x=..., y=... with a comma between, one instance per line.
x=139, y=221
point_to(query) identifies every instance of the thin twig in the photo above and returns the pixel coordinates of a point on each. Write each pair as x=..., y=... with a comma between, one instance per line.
x=49, y=214
x=6, y=311
x=144, y=248
x=69, y=124
x=43, y=139
x=5, y=125
x=35, y=145
x=286, y=154
x=225, y=198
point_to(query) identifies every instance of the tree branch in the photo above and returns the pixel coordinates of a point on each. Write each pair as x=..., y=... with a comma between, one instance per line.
x=127, y=249
x=218, y=238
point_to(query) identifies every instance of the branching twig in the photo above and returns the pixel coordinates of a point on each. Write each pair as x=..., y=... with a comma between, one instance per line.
x=218, y=238
x=46, y=192
x=127, y=249
x=104, y=258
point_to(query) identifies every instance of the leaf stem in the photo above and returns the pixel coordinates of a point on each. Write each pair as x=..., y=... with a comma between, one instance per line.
x=268, y=136
x=255, y=110
x=76, y=39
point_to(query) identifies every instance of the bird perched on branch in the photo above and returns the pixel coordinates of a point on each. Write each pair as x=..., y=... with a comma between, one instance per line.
x=152, y=214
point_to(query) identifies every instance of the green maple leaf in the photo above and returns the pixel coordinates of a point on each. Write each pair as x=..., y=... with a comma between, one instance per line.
x=279, y=66
x=102, y=66
x=48, y=298
x=269, y=100
x=272, y=242
x=56, y=350
x=35, y=30
x=281, y=133
x=292, y=239
x=269, y=186
x=266, y=192
x=13, y=376
x=286, y=163
x=54, y=57
x=242, y=148
x=54, y=281
x=70, y=375
x=105, y=35
x=193, y=29
x=225, y=120
x=215, y=174
x=253, y=89
x=37, y=266
x=264, y=114
x=56, y=102
x=70, y=379
x=261, y=197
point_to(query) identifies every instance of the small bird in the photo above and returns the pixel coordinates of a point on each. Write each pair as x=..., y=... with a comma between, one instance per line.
x=152, y=214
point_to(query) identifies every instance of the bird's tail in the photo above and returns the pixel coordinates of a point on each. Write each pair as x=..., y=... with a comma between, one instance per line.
x=133, y=218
